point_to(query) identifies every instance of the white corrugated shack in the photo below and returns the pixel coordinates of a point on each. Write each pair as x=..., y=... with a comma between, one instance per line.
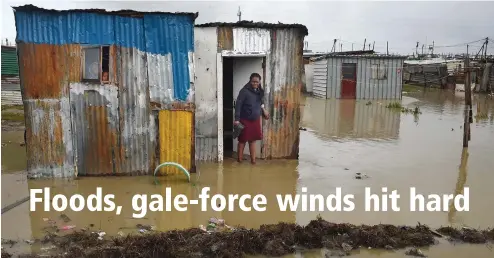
x=358, y=76
x=225, y=56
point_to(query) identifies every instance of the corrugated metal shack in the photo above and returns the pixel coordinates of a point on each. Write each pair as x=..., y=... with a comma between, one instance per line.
x=426, y=74
x=226, y=55
x=106, y=93
x=11, y=90
x=358, y=76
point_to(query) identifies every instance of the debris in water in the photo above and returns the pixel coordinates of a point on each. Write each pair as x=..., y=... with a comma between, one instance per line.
x=45, y=219
x=29, y=241
x=466, y=235
x=346, y=247
x=146, y=227
x=415, y=252
x=4, y=253
x=100, y=234
x=347, y=169
x=120, y=233
x=302, y=129
x=65, y=218
x=68, y=227
x=8, y=242
x=269, y=240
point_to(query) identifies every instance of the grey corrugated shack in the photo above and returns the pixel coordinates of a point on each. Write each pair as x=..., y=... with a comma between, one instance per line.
x=361, y=76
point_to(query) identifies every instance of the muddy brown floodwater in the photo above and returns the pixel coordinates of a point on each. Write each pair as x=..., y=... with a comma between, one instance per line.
x=345, y=139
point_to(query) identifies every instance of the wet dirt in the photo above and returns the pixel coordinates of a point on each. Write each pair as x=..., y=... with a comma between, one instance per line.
x=343, y=138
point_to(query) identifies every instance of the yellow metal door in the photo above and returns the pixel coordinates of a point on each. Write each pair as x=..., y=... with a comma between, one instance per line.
x=176, y=136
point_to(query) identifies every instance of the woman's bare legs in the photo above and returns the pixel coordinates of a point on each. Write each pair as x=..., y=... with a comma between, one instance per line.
x=252, y=150
x=240, y=151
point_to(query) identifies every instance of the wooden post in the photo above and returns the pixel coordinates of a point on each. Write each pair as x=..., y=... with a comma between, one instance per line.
x=468, y=102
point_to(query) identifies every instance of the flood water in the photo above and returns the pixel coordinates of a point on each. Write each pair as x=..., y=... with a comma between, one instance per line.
x=388, y=148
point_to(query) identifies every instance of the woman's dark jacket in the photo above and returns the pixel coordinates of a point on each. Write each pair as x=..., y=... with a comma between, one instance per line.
x=249, y=103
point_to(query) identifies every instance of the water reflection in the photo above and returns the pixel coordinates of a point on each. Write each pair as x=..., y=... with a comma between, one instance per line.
x=460, y=184
x=351, y=119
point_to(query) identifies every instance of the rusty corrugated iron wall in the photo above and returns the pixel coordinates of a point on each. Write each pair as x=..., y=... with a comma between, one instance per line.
x=44, y=86
x=285, y=76
x=96, y=128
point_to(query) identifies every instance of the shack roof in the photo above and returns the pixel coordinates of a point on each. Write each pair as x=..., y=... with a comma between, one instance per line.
x=370, y=54
x=252, y=24
x=132, y=13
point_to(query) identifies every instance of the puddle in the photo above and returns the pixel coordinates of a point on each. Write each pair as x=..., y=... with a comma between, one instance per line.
x=343, y=138
x=13, y=154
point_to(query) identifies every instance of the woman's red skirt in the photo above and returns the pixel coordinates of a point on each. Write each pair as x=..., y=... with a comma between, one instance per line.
x=252, y=130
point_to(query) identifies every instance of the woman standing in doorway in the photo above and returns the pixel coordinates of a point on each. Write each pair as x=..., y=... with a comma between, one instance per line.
x=248, y=111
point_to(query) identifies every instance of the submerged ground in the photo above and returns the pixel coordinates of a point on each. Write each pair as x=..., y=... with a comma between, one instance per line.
x=348, y=144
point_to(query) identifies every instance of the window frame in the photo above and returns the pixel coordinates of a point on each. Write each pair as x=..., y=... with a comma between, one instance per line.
x=376, y=71
x=100, y=64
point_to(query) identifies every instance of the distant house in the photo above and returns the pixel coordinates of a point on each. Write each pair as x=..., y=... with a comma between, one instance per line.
x=356, y=75
x=11, y=90
x=106, y=93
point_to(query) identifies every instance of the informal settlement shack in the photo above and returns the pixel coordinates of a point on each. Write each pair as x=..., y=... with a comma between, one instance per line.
x=226, y=55
x=11, y=91
x=106, y=92
x=358, y=75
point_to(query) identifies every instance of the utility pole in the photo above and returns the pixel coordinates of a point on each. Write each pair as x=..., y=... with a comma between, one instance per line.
x=373, y=43
x=387, y=49
x=485, y=50
x=468, y=102
x=239, y=14
x=334, y=46
x=417, y=49
x=365, y=40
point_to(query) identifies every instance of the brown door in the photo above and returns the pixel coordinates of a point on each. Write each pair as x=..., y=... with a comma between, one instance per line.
x=349, y=81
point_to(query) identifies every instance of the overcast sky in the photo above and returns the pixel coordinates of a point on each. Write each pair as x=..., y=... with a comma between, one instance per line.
x=402, y=24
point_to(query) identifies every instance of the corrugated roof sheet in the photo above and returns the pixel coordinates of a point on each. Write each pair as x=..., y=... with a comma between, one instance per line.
x=252, y=24
x=31, y=8
x=369, y=56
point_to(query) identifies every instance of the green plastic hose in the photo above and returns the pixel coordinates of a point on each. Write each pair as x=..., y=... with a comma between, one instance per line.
x=172, y=164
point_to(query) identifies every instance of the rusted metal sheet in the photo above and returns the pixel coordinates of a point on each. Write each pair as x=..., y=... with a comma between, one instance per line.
x=47, y=110
x=137, y=127
x=225, y=38
x=43, y=70
x=176, y=140
x=95, y=128
x=251, y=40
x=284, y=74
x=49, y=146
x=73, y=62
